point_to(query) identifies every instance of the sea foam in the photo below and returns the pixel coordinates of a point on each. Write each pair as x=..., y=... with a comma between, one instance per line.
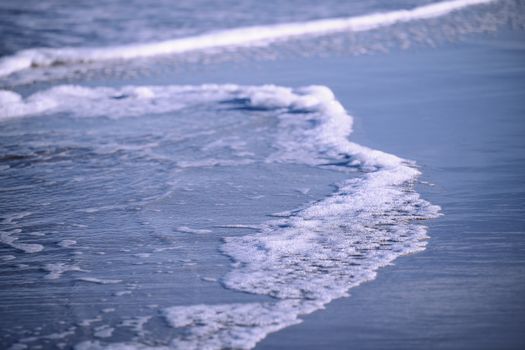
x=318, y=253
x=302, y=260
x=246, y=36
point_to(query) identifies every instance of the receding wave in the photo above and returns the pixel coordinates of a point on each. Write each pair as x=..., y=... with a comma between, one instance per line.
x=246, y=36
x=303, y=259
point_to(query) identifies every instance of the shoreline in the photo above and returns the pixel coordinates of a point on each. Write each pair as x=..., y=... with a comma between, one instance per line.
x=464, y=290
x=413, y=104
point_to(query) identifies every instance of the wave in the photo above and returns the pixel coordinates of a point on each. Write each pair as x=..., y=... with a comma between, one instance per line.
x=247, y=36
x=305, y=258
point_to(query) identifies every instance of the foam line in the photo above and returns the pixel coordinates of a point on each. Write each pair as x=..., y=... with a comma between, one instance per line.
x=303, y=260
x=246, y=36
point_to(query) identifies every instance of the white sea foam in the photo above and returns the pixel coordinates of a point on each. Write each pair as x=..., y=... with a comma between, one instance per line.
x=111, y=102
x=210, y=163
x=93, y=102
x=10, y=238
x=227, y=326
x=247, y=36
x=96, y=345
x=13, y=218
x=88, y=322
x=103, y=331
x=316, y=254
x=186, y=229
x=57, y=269
x=122, y=292
x=99, y=280
x=241, y=226
x=137, y=324
x=66, y=243
x=303, y=259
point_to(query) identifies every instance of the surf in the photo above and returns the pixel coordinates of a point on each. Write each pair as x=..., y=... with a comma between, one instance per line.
x=301, y=259
x=238, y=37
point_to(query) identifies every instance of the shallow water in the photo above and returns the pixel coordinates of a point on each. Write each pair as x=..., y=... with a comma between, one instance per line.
x=121, y=188
x=192, y=216
x=464, y=291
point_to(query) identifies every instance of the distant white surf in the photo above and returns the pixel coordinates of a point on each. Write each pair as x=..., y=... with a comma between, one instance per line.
x=246, y=36
x=303, y=259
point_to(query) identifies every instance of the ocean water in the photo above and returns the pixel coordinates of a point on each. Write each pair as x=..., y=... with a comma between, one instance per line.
x=143, y=211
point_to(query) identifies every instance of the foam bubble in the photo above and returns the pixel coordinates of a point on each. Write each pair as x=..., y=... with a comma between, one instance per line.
x=186, y=229
x=104, y=331
x=13, y=218
x=66, y=243
x=99, y=280
x=230, y=326
x=57, y=269
x=9, y=238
